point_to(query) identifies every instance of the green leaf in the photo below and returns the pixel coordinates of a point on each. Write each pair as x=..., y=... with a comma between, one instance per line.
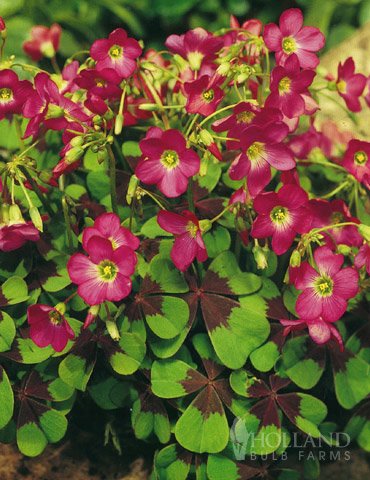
x=151, y=229
x=6, y=399
x=7, y=331
x=263, y=359
x=13, y=291
x=235, y=329
x=58, y=278
x=311, y=412
x=303, y=361
x=128, y=358
x=109, y=393
x=227, y=269
x=10, y=7
x=163, y=272
x=203, y=427
x=172, y=464
x=76, y=371
x=165, y=315
x=98, y=185
x=175, y=378
x=217, y=241
x=31, y=440
x=25, y=351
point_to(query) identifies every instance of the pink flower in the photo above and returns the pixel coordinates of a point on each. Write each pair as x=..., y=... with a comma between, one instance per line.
x=289, y=88
x=15, y=235
x=319, y=330
x=166, y=161
x=281, y=215
x=290, y=37
x=310, y=142
x=357, y=161
x=189, y=243
x=326, y=213
x=48, y=106
x=2, y=24
x=326, y=288
x=196, y=46
x=203, y=95
x=363, y=258
x=13, y=93
x=243, y=116
x=48, y=327
x=108, y=225
x=69, y=75
x=261, y=148
x=350, y=85
x=44, y=42
x=103, y=83
x=105, y=273
x=118, y=52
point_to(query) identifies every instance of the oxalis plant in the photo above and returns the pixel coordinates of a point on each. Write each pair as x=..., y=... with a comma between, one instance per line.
x=185, y=246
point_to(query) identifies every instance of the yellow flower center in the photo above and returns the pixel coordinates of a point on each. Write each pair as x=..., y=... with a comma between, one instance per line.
x=116, y=51
x=5, y=94
x=324, y=286
x=279, y=214
x=100, y=83
x=255, y=151
x=208, y=95
x=245, y=117
x=336, y=217
x=55, y=317
x=170, y=159
x=289, y=45
x=341, y=86
x=284, y=85
x=192, y=229
x=107, y=270
x=360, y=158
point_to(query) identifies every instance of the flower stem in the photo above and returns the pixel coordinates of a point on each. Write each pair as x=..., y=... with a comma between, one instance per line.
x=36, y=189
x=112, y=176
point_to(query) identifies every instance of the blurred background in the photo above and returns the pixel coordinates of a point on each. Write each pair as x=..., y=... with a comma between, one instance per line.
x=153, y=20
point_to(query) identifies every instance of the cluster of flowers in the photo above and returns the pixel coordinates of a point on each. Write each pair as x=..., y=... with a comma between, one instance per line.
x=119, y=86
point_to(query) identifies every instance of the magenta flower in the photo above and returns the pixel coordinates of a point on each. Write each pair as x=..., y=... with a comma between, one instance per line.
x=310, y=142
x=102, y=83
x=289, y=88
x=291, y=37
x=350, y=85
x=326, y=213
x=13, y=93
x=108, y=225
x=166, y=161
x=189, y=243
x=48, y=327
x=281, y=216
x=319, y=330
x=118, y=52
x=243, y=116
x=48, y=106
x=203, y=95
x=363, y=258
x=44, y=42
x=15, y=235
x=326, y=288
x=69, y=75
x=105, y=273
x=357, y=161
x=196, y=46
x=261, y=148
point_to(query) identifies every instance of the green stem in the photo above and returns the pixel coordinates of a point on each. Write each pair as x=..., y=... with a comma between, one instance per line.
x=67, y=221
x=36, y=189
x=112, y=176
x=217, y=217
x=190, y=195
x=336, y=190
x=324, y=164
x=216, y=113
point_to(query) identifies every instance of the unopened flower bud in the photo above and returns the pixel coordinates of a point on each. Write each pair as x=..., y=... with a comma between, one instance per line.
x=112, y=330
x=36, y=218
x=3, y=32
x=295, y=259
x=54, y=111
x=118, y=124
x=74, y=154
x=4, y=213
x=47, y=49
x=224, y=69
x=110, y=139
x=77, y=141
x=149, y=107
x=344, y=249
x=102, y=155
x=206, y=137
x=205, y=225
x=97, y=120
x=134, y=182
x=91, y=315
x=15, y=213
x=364, y=230
x=260, y=257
